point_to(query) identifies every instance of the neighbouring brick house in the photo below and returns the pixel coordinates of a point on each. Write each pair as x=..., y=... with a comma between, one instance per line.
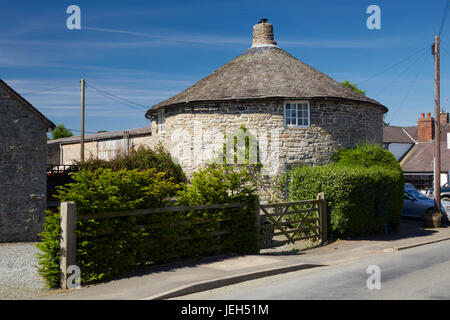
x=414, y=148
x=298, y=114
x=23, y=152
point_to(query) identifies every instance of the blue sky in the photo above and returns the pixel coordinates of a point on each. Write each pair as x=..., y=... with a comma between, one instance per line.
x=147, y=51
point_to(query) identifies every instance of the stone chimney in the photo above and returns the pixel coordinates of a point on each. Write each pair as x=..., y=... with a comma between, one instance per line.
x=444, y=117
x=263, y=34
x=425, y=128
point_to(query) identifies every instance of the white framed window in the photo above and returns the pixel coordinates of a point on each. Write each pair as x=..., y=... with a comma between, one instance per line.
x=297, y=114
x=161, y=121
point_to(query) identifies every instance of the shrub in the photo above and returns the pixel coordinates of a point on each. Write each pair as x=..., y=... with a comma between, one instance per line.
x=366, y=155
x=227, y=184
x=103, y=190
x=220, y=184
x=112, y=246
x=141, y=159
x=49, y=257
x=360, y=200
x=364, y=189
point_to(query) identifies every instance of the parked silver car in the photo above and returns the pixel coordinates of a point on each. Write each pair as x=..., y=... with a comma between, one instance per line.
x=415, y=204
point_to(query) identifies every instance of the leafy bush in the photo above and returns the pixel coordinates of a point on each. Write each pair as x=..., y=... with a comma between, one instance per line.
x=219, y=184
x=141, y=159
x=364, y=189
x=50, y=250
x=227, y=184
x=112, y=246
x=360, y=200
x=366, y=155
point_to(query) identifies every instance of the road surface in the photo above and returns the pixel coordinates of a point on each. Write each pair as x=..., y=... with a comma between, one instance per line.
x=417, y=273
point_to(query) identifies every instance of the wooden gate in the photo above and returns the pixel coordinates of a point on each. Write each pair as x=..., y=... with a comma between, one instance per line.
x=288, y=222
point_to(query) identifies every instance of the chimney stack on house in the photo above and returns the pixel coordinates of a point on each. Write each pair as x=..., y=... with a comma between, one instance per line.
x=444, y=117
x=263, y=34
x=425, y=128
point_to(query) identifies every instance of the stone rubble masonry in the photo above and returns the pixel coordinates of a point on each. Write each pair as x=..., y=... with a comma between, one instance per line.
x=23, y=151
x=263, y=34
x=191, y=131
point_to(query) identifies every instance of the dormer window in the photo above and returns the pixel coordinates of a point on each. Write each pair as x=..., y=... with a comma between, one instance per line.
x=161, y=121
x=296, y=114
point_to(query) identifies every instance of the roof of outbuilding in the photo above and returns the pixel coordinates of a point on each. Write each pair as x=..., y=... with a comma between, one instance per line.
x=265, y=72
x=392, y=134
x=14, y=95
x=144, y=131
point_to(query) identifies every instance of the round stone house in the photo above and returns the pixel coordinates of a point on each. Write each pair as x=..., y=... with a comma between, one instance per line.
x=297, y=114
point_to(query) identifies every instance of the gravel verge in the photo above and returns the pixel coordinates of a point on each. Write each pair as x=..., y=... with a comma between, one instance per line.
x=18, y=271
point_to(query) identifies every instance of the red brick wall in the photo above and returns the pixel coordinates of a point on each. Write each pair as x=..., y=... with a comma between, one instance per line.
x=425, y=128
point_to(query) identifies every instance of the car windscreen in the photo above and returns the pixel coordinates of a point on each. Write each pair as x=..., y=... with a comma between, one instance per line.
x=418, y=195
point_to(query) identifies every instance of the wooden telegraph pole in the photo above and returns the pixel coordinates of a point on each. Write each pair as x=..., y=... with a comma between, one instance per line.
x=437, y=128
x=82, y=121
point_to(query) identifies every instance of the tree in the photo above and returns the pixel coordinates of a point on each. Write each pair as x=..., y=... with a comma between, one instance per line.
x=60, y=132
x=353, y=86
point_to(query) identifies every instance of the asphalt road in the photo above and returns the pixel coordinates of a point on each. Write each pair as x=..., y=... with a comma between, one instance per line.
x=417, y=273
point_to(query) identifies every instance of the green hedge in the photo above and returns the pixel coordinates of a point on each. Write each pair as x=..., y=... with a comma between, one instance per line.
x=140, y=159
x=129, y=246
x=360, y=200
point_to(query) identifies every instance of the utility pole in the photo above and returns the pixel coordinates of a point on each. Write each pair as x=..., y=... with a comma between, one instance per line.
x=82, y=121
x=437, y=126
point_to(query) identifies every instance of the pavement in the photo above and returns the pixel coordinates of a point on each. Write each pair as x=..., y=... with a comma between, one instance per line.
x=187, y=277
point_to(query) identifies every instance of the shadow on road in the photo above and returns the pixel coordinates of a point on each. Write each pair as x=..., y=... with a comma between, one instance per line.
x=408, y=228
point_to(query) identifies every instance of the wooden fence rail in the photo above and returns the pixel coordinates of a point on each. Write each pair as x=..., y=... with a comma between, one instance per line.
x=302, y=222
x=69, y=218
x=296, y=220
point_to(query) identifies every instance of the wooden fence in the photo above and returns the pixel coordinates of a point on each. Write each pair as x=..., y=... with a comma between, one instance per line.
x=279, y=216
x=69, y=218
x=288, y=222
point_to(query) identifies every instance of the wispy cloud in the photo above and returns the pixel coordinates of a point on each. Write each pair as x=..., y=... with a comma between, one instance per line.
x=343, y=43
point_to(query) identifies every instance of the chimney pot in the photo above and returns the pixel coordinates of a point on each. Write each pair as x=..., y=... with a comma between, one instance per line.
x=423, y=115
x=428, y=114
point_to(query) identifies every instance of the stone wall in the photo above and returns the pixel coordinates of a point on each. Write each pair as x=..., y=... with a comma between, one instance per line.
x=23, y=151
x=193, y=130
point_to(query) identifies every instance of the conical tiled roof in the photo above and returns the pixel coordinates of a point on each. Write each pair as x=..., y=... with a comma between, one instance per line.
x=264, y=72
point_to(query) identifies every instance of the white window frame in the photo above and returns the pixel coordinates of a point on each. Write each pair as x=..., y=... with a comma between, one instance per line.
x=296, y=124
x=161, y=121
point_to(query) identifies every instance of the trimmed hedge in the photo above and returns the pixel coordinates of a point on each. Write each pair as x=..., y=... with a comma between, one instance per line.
x=360, y=200
x=139, y=240
x=364, y=189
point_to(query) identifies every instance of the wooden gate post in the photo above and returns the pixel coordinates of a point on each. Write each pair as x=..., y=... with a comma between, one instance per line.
x=323, y=218
x=68, y=239
x=258, y=222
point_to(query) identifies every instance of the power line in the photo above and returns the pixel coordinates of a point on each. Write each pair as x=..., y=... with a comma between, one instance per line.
x=410, y=88
x=445, y=50
x=113, y=96
x=116, y=100
x=48, y=89
x=394, y=65
x=444, y=17
x=408, y=67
